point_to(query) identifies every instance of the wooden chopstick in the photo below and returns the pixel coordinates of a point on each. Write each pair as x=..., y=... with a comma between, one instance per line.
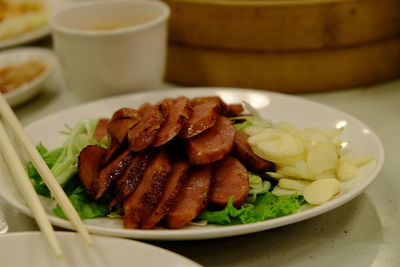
x=24, y=184
x=57, y=192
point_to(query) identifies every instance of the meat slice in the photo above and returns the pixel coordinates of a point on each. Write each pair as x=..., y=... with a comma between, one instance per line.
x=192, y=198
x=204, y=116
x=111, y=172
x=113, y=148
x=230, y=179
x=144, y=132
x=233, y=110
x=130, y=179
x=122, y=121
x=101, y=129
x=213, y=144
x=243, y=151
x=172, y=187
x=144, y=199
x=90, y=162
x=215, y=100
x=179, y=111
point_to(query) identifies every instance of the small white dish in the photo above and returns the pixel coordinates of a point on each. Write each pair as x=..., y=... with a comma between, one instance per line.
x=20, y=55
x=107, y=251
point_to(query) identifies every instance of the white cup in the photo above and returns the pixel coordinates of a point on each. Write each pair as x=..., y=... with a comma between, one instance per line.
x=111, y=47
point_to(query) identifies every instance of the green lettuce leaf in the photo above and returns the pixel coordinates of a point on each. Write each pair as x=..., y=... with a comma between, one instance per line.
x=85, y=206
x=266, y=206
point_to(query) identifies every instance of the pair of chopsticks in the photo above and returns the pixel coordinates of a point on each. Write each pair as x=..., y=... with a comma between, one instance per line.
x=25, y=185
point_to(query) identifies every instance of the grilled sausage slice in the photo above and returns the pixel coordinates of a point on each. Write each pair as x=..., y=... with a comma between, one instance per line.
x=122, y=121
x=172, y=187
x=179, y=112
x=144, y=199
x=233, y=110
x=90, y=162
x=246, y=155
x=204, y=116
x=144, y=132
x=230, y=179
x=111, y=172
x=213, y=144
x=128, y=182
x=101, y=129
x=192, y=198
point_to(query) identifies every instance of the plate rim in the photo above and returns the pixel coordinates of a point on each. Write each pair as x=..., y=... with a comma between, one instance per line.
x=218, y=231
x=136, y=243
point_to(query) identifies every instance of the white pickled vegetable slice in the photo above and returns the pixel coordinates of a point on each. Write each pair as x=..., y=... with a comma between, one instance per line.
x=300, y=171
x=275, y=175
x=292, y=184
x=277, y=147
x=326, y=174
x=346, y=170
x=279, y=191
x=321, y=191
x=322, y=156
x=253, y=130
x=361, y=161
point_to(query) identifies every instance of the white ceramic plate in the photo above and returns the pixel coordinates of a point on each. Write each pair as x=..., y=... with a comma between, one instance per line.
x=20, y=55
x=37, y=33
x=31, y=249
x=278, y=107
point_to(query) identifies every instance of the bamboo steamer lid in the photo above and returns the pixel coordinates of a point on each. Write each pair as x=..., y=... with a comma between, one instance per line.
x=284, y=45
x=276, y=25
x=291, y=72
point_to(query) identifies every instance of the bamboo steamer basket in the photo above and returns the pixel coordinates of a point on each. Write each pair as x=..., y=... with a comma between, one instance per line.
x=282, y=45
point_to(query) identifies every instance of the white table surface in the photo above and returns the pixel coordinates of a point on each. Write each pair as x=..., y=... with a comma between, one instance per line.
x=363, y=232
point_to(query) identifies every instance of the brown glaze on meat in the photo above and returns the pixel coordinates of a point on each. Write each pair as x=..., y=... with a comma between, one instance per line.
x=111, y=172
x=192, y=198
x=233, y=110
x=172, y=187
x=149, y=192
x=90, y=162
x=179, y=111
x=128, y=182
x=122, y=121
x=143, y=133
x=230, y=179
x=215, y=100
x=204, y=116
x=246, y=155
x=213, y=144
x=101, y=129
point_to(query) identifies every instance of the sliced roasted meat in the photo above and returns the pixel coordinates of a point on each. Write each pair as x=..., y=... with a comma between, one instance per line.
x=179, y=111
x=101, y=129
x=130, y=179
x=144, y=132
x=230, y=179
x=122, y=121
x=90, y=162
x=144, y=108
x=172, y=187
x=111, y=172
x=215, y=100
x=204, y=116
x=246, y=155
x=233, y=110
x=113, y=150
x=145, y=198
x=213, y=144
x=192, y=198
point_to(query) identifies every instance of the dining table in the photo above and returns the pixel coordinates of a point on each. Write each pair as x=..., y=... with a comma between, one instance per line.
x=363, y=232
